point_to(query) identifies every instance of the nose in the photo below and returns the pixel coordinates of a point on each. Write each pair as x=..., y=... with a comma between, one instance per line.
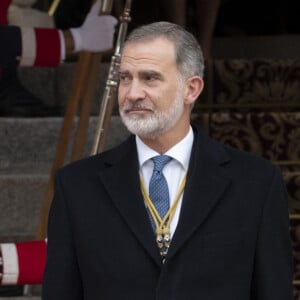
x=135, y=91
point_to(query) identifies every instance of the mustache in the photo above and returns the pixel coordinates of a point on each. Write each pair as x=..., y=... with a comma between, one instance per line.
x=136, y=106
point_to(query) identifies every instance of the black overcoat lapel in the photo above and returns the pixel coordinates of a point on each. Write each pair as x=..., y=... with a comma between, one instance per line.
x=206, y=182
x=121, y=180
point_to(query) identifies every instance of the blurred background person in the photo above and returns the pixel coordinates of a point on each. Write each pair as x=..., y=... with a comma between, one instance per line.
x=28, y=38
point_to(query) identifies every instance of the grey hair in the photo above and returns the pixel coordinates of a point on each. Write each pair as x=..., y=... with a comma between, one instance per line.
x=189, y=56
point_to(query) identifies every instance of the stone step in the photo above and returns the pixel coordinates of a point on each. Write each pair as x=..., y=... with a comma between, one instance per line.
x=53, y=85
x=29, y=145
x=20, y=205
x=27, y=150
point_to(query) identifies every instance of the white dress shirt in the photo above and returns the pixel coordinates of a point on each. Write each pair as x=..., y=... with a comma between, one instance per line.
x=174, y=171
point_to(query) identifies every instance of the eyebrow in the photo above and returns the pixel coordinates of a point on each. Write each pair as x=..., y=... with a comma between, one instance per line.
x=143, y=73
x=151, y=73
x=123, y=71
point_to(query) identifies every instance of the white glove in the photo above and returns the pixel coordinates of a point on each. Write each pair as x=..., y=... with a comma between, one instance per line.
x=97, y=32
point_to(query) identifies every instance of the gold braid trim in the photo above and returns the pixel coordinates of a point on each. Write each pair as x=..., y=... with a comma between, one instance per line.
x=162, y=225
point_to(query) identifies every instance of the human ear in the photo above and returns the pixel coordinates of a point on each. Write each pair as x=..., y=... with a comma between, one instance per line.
x=193, y=88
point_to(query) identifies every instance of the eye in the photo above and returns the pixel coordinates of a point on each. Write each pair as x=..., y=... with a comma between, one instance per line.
x=124, y=77
x=151, y=77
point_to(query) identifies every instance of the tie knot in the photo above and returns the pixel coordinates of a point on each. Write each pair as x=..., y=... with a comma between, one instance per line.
x=160, y=161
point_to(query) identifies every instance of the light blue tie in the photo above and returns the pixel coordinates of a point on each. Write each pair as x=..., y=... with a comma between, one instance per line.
x=158, y=187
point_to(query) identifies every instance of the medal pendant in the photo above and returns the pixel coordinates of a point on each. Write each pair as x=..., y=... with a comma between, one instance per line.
x=163, y=253
x=160, y=240
x=167, y=240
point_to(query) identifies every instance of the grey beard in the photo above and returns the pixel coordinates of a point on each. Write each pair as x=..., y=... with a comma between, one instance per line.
x=152, y=126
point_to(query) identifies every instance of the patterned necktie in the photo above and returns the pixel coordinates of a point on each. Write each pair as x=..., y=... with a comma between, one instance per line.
x=158, y=187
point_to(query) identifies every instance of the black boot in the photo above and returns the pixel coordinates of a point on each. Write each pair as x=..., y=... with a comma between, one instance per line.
x=17, y=101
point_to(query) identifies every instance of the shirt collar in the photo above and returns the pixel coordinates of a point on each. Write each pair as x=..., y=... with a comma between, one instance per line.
x=181, y=152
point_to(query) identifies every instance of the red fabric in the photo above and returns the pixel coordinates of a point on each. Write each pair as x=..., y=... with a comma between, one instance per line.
x=47, y=47
x=32, y=260
x=4, y=5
